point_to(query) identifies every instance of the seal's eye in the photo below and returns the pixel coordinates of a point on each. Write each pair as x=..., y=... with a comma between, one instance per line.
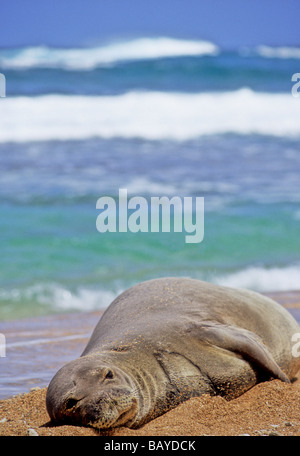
x=109, y=374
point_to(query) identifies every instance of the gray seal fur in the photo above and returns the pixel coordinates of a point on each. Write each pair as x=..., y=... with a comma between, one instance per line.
x=166, y=340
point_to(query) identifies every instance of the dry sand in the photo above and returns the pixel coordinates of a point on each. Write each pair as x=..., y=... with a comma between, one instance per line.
x=270, y=408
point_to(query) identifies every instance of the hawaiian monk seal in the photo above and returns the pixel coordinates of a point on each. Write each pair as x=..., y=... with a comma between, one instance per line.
x=165, y=340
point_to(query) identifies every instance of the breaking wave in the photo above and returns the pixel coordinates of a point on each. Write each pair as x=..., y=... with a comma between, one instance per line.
x=263, y=279
x=280, y=52
x=93, y=57
x=148, y=115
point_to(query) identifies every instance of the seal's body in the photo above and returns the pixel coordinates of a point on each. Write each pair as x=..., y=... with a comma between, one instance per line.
x=165, y=340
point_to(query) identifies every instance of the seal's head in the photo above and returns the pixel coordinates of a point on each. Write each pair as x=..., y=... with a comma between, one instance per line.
x=90, y=392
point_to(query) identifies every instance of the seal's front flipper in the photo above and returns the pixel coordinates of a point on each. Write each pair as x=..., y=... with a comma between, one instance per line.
x=243, y=342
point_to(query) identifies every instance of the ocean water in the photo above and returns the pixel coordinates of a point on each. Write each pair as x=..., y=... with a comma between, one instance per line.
x=158, y=117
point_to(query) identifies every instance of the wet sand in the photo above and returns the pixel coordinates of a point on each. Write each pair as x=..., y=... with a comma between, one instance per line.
x=37, y=348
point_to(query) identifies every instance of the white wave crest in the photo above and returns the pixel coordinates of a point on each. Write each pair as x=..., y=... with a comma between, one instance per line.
x=280, y=52
x=148, y=115
x=264, y=280
x=89, y=58
x=57, y=297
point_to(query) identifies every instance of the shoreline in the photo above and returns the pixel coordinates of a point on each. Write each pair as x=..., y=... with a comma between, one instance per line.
x=269, y=408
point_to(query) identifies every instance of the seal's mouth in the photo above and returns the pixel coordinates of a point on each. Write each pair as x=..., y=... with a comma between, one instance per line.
x=116, y=412
x=106, y=412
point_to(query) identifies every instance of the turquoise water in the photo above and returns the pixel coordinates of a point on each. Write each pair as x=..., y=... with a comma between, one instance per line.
x=55, y=260
x=219, y=125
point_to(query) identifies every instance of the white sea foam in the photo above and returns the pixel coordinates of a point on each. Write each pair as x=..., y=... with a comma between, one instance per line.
x=263, y=279
x=57, y=297
x=280, y=52
x=89, y=58
x=82, y=299
x=148, y=115
x=143, y=185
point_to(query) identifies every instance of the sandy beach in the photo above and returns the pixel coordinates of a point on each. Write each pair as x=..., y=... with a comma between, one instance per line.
x=269, y=408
